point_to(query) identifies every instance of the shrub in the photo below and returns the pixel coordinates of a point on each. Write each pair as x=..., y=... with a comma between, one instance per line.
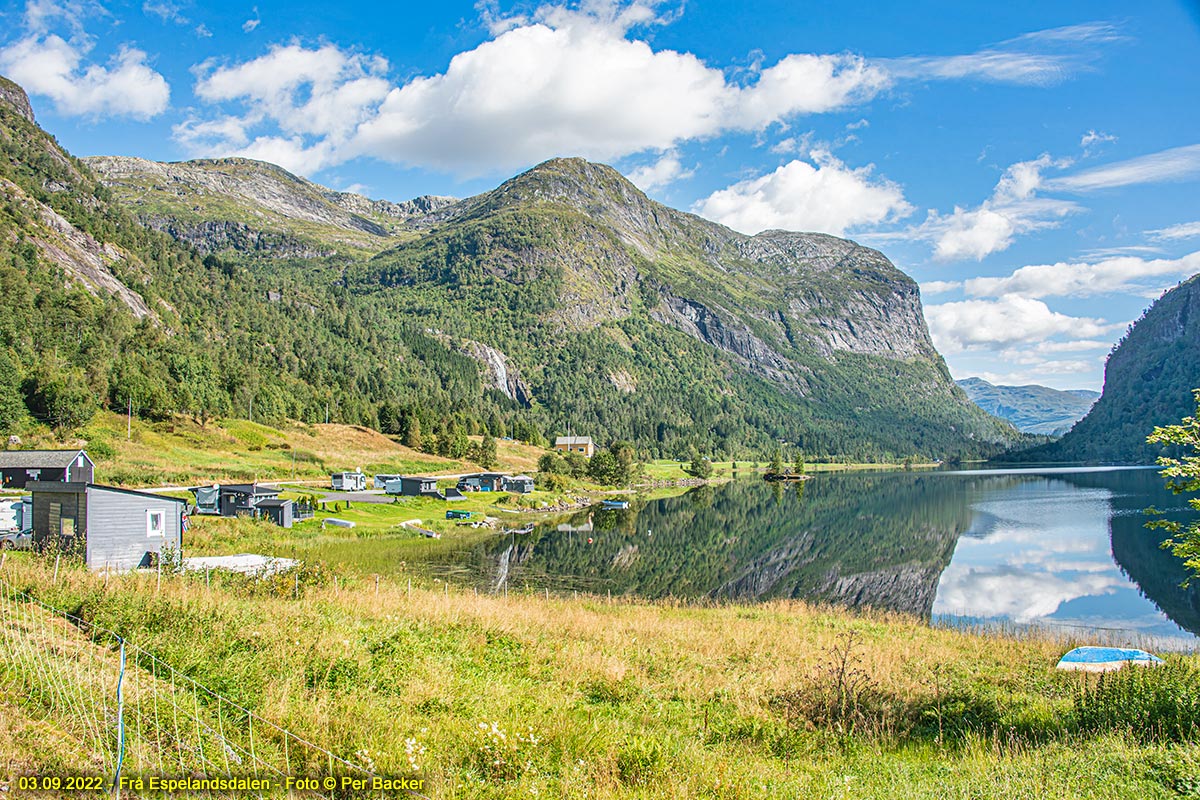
x=1152, y=703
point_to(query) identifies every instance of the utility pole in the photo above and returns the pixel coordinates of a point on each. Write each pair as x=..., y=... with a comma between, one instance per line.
x=129, y=420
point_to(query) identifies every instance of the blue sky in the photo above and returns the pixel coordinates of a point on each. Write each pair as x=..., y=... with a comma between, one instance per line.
x=1034, y=166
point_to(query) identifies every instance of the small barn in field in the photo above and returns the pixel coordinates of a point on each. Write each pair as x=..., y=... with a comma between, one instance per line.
x=111, y=528
x=21, y=467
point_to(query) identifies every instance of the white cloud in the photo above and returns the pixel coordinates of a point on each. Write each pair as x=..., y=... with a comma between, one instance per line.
x=579, y=81
x=1097, y=32
x=1083, y=279
x=940, y=287
x=806, y=84
x=1009, y=320
x=53, y=67
x=202, y=31
x=826, y=196
x=666, y=170
x=1184, y=230
x=1013, y=209
x=1093, y=140
x=252, y=23
x=538, y=91
x=315, y=97
x=995, y=66
x=166, y=11
x=1176, y=164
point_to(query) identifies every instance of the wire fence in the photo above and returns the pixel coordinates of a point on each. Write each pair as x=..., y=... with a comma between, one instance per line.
x=137, y=719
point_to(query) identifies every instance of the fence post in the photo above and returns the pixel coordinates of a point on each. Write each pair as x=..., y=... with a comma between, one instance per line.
x=116, y=788
x=57, y=556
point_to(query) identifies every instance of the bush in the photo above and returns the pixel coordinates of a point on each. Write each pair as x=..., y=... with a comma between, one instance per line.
x=1152, y=703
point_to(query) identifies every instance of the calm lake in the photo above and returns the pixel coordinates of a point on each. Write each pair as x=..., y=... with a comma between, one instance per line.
x=1053, y=547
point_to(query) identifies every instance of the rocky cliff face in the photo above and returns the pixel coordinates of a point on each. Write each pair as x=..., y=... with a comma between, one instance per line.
x=416, y=209
x=84, y=261
x=15, y=98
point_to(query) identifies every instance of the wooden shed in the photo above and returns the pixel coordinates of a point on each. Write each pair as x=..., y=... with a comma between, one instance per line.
x=111, y=528
x=20, y=467
x=281, y=512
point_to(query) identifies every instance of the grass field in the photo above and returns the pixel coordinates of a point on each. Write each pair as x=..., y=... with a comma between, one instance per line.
x=182, y=452
x=521, y=696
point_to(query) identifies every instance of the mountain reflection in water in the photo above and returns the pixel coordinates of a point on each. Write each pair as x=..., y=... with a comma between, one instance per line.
x=1055, y=546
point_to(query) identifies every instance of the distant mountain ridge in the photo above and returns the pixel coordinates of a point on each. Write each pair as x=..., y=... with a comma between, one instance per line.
x=563, y=297
x=1148, y=381
x=1031, y=408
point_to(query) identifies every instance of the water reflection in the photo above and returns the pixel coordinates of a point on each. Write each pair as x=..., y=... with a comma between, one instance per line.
x=1062, y=547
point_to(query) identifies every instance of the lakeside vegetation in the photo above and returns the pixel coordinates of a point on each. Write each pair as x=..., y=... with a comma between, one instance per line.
x=632, y=699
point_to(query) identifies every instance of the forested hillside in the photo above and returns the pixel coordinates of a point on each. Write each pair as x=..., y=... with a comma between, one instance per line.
x=564, y=297
x=101, y=310
x=1148, y=381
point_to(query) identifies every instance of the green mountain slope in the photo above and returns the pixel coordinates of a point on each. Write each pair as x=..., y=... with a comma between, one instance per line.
x=1032, y=409
x=563, y=297
x=101, y=310
x=1148, y=381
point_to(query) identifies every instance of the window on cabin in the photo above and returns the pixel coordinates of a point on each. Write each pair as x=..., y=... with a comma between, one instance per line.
x=156, y=523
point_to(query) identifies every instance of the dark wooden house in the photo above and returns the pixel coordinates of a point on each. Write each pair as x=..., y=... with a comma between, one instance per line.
x=412, y=486
x=112, y=529
x=20, y=467
x=521, y=484
x=244, y=498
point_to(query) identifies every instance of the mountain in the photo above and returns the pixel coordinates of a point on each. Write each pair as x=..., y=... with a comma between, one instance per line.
x=252, y=206
x=1032, y=409
x=563, y=297
x=1148, y=381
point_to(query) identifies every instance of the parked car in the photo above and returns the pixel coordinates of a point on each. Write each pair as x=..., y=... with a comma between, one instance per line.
x=16, y=540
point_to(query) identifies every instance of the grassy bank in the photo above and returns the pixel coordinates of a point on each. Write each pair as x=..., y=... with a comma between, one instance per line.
x=524, y=696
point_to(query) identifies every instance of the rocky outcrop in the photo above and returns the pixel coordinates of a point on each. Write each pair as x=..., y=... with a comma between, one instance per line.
x=15, y=97
x=83, y=260
x=499, y=373
x=210, y=236
x=263, y=188
x=702, y=323
x=409, y=210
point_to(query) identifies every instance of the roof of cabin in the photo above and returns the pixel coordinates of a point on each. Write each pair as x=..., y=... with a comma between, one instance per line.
x=33, y=459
